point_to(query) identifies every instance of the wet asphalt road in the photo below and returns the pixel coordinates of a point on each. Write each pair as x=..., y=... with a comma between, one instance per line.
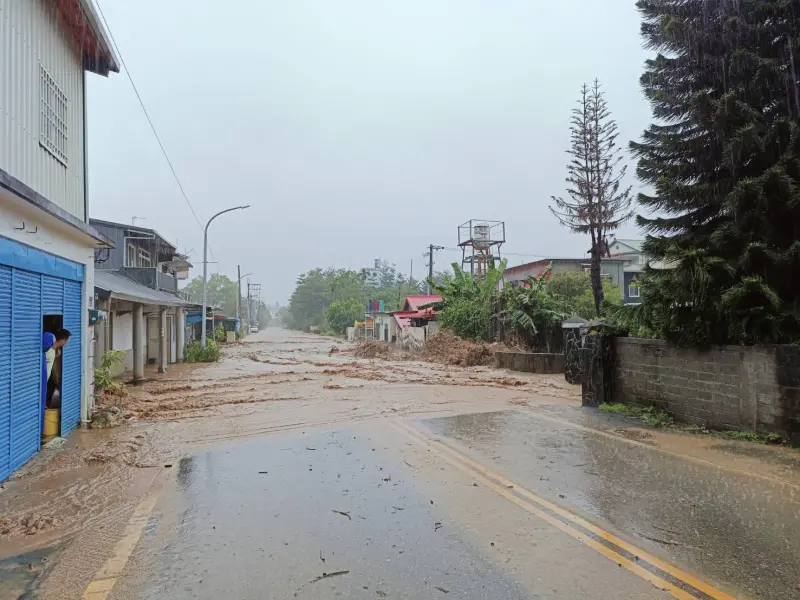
x=372, y=512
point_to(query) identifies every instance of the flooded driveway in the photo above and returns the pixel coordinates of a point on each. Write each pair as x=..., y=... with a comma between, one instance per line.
x=293, y=469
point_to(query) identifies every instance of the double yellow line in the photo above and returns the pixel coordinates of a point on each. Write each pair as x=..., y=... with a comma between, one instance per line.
x=663, y=575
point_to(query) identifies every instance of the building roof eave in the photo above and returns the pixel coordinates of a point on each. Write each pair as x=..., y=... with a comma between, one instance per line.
x=109, y=62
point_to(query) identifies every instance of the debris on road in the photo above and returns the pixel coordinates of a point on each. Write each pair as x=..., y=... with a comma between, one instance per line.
x=320, y=578
x=329, y=575
x=344, y=514
x=437, y=526
x=372, y=349
x=28, y=525
x=449, y=349
x=110, y=416
x=441, y=589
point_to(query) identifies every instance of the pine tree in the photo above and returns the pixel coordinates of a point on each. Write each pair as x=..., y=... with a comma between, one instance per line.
x=597, y=205
x=722, y=159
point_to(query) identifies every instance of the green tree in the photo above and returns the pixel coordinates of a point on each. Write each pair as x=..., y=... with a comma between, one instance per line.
x=575, y=287
x=343, y=314
x=221, y=292
x=469, y=303
x=318, y=289
x=533, y=309
x=264, y=316
x=722, y=161
x=596, y=203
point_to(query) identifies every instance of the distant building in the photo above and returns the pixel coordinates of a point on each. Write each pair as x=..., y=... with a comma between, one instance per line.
x=635, y=260
x=611, y=268
x=373, y=275
x=629, y=251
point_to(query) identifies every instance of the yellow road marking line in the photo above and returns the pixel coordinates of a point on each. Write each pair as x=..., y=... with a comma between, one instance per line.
x=469, y=466
x=106, y=577
x=702, y=461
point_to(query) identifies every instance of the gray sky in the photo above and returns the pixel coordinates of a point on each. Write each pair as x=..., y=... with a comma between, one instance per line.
x=357, y=128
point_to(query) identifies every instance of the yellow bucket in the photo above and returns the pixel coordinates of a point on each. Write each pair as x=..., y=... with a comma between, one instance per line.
x=51, y=422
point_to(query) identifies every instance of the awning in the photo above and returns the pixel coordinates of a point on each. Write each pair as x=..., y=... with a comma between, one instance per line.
x=122, y=288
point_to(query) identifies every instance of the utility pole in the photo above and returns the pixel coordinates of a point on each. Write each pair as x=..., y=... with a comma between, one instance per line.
x=239, y=295
x=431, y=249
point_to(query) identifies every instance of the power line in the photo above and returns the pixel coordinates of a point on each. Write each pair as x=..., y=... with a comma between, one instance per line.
x=149, y=120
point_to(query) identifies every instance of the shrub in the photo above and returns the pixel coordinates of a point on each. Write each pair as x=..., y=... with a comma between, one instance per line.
x=196, y=353
x=103, y=378
x=220, y=335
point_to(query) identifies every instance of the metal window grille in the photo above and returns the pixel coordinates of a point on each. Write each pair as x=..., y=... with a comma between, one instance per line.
x=633, y=290
x=53, y=131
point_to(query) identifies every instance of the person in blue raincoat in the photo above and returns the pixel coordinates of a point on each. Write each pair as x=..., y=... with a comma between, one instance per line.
x=48, y=358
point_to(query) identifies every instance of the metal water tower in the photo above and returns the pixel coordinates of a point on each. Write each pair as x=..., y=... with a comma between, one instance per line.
x=480, y=242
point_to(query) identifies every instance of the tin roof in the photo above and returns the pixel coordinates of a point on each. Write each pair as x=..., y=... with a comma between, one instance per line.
x=414, y=303
x=122, y=288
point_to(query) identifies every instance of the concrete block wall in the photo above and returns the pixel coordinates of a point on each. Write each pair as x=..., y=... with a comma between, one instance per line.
x=530, y=362
x=754, y=388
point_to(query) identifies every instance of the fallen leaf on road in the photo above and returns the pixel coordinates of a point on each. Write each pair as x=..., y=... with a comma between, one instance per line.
x=344, y=514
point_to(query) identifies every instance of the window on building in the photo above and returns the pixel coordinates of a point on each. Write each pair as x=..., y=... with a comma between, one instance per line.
x=144, y=258
x=130, y=256
x=642, y=259
x=137, y=257
x=53, y=132
x=633, y=289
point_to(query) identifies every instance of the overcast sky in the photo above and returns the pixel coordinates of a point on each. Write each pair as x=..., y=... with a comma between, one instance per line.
x=355, y=129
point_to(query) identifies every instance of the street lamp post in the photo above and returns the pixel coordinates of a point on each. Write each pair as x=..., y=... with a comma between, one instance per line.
x=205, y=268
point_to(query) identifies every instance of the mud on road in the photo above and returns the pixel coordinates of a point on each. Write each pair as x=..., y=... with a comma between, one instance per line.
x=283, y=388
x=275, y=381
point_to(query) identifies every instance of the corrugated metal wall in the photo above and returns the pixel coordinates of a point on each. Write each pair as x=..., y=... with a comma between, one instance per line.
x=29, y=35
x=71, y=359
x=116, y=255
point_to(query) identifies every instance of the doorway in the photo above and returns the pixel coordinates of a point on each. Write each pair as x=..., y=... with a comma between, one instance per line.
x=153, y=335
x=52, y=392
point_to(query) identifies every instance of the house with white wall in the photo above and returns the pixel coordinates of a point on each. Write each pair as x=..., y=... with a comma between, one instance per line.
x=634, y=261
x=47, y=246
x=136, y=284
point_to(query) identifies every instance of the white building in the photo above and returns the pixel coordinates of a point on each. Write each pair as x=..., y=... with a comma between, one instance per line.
x=46, y=244
x=372, y=275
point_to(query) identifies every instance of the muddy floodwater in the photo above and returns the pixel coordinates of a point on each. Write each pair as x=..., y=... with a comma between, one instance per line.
x=295, y=469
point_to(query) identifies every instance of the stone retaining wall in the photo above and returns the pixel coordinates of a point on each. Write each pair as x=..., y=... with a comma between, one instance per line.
x=753, y=388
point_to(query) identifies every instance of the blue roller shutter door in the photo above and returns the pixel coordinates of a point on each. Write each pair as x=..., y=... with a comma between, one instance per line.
x=52, y=295
x=71, y=360
x=5, y=372
x=26, y=366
